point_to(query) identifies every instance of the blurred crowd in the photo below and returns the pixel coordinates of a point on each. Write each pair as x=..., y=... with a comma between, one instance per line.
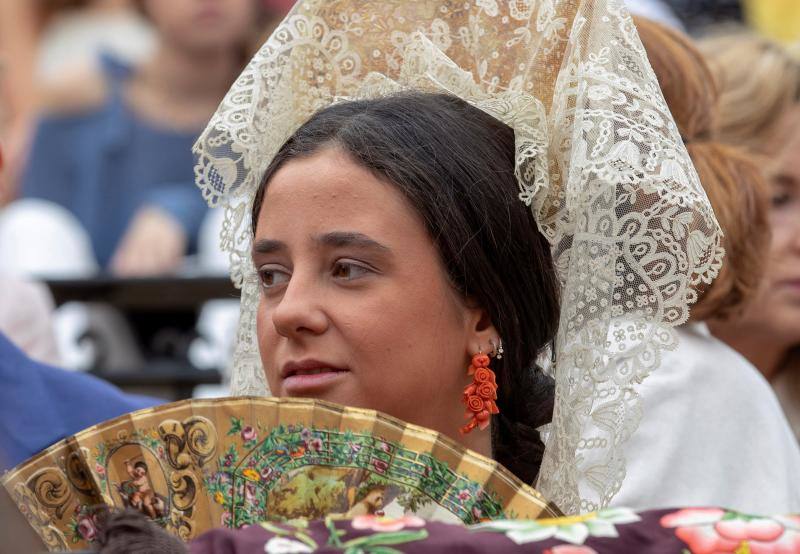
x=101, y=101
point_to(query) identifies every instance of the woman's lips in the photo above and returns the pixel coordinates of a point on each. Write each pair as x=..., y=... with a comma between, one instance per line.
x=311, y=384
x=309, y=377
x=792, y=284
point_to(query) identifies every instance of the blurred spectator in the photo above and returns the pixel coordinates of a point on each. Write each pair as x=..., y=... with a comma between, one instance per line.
x=40, y=39
x=706, y=400
x=759, y=90
x=77, y=30
x=111, y=157
x=18, y=36
x=40, y=405
x=26, y=313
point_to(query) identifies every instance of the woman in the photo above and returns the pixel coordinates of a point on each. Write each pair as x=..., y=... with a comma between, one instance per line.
x=759, y=92
x=390, y=239
x=382, y=247
x=109, y=168
x=706, y=399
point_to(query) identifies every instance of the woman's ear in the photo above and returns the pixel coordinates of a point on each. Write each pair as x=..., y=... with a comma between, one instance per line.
x=481, y=332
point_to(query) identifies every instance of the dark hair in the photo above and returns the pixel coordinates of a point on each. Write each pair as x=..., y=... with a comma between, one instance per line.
x=132, y=532
x=455, y=165
x=141, y=465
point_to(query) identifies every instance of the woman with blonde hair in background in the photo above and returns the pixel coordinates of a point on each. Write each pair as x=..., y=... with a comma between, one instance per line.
x=759, y=88
x=707, y=401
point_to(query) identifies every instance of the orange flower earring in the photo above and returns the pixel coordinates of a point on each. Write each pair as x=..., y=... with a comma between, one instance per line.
x=480, y=396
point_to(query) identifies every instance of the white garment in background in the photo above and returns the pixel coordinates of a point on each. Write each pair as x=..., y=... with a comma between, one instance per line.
x=76, y=39
x=787, y=388
x=42, y=240
x=712, y=434
x=26, y=310
x=655, y=10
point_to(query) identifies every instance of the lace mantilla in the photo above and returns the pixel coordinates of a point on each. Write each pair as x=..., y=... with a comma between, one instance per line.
x=599, y=160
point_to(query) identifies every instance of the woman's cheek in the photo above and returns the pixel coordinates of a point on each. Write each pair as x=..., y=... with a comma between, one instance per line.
x=267, y=336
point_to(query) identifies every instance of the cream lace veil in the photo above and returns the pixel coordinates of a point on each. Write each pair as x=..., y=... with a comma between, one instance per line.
x=599, y=161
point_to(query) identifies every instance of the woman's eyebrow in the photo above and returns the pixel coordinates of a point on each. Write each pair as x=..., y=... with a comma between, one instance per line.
x=348, y=238
x=784, y=180
x=268, y=246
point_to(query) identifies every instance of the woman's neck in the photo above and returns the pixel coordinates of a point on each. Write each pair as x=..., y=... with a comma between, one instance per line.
x=479, y=441
x=182, y=88
x=187, y=76
x=762, y=349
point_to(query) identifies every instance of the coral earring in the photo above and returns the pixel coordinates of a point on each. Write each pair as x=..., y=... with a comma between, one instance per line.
x=480, y=395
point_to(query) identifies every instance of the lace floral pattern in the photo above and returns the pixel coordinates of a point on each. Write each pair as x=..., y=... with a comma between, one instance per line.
x=599, y=160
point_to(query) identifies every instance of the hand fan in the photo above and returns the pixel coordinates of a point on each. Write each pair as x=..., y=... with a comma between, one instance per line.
x=198, y=464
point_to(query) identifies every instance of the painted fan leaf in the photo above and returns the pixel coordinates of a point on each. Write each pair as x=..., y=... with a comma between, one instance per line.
x=199, y=464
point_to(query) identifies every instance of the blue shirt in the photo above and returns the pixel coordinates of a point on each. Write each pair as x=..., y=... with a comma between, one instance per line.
x=106, y=163
x=40, y=405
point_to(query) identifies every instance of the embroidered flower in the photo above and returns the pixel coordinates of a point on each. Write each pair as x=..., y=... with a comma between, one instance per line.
x=101, y=471
x=226, y=519
x=282, y=545
x=712, y=530
x=572, y=529
x=490, y=6
x=570, y=549
x=249, y=434
x=464, y=495
x=219, y=498
x=305, y=434
x=315, y=444
x=380, y=466
x=87, y=528
x=599, y=92
x=250, y=493
x=652, y=117
x=266, y=473
x=386, y=524
x=251, y=474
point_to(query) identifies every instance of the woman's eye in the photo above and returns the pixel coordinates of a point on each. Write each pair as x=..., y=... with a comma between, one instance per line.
x=784, y=190
x=272, y=277
x=348, y=271
x=779, y=200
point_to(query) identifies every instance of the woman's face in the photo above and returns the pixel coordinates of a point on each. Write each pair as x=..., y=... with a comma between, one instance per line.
x=202, y=25
x=356, y=307
x=777, y=309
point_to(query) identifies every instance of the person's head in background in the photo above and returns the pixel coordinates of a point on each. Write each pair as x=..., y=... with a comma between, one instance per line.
x=735, y=187
x=211, y=26
x=203, y=45
x=759, y=88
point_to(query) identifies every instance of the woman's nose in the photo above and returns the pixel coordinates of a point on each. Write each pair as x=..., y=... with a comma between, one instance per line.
x=299, y=311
